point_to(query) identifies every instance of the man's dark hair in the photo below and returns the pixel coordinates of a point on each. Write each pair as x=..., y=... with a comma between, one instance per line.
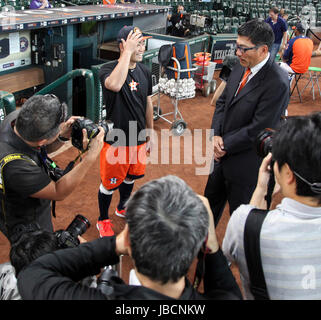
x=258, y=31
x=167, y=224
x=298, y=143
x=30, y=246
x=40, y=117
x=275, y=10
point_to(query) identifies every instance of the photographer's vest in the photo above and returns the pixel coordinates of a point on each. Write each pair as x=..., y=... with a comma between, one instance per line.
x=19, y=210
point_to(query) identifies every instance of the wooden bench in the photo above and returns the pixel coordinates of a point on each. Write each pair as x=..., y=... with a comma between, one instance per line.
x=109, y=50
x=21, y=80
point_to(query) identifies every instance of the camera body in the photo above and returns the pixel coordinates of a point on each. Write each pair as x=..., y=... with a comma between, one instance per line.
x=106, y=280
x=91, y=128
x=197, y=24
x=69, y=238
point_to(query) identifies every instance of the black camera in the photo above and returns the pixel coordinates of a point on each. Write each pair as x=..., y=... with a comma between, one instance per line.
x=92, y=130
x=106, y=280
x=69, y=238
x=263, y=142
x=228, y=63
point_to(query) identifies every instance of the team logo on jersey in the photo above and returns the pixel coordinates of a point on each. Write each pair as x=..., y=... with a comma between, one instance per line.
x=113, y=180
x=133, y=85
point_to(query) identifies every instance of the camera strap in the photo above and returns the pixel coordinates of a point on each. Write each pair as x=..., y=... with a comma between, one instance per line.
x=252, y=250
x=200, y=267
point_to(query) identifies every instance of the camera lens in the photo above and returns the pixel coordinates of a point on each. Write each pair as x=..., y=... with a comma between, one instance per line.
x=107, y=126
x=78, y=226
x=264, y=142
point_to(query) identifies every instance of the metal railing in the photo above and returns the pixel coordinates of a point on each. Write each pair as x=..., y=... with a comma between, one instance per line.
x=91, y=111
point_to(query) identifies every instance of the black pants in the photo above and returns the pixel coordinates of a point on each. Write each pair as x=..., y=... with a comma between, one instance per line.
x=219, y=190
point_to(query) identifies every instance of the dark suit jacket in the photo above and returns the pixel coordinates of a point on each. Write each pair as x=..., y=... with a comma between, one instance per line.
x=238, y=120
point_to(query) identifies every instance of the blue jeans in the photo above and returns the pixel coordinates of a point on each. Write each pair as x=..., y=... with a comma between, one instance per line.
x=274, y=50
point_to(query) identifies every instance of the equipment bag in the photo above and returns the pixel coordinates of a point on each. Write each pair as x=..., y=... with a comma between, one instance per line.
x=165, y=54
x=182, y=52
x=252, y=252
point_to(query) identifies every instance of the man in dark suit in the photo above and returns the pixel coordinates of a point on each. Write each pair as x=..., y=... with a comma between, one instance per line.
x=255, y=97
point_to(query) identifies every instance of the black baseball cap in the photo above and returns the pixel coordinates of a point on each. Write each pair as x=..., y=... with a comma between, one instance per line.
x=124, y=32
x=299, y=27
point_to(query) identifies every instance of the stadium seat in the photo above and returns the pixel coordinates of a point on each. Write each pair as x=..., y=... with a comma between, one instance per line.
x=220, y=13
x=261, y=13
x=213, y=13
x=242, y=20
x=254, y=13
x=220, y=24
x=246, y=8
x=239, y=10
x=227, y=25
x=235, y=21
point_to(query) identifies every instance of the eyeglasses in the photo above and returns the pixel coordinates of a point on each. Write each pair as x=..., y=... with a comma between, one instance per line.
x=243, y=49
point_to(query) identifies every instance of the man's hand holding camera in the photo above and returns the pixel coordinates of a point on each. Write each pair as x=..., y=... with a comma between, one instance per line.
x=67, y=183
x=258, y=198
x=94, y=145
x=66, y=128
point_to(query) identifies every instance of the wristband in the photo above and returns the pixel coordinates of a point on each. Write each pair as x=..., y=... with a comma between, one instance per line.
x=62, y=139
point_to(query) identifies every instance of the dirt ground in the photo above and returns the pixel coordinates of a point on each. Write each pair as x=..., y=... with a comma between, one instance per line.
x=198, y=113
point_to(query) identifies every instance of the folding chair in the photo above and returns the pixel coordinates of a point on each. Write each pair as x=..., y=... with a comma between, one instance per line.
x=314, y=73
x=297, y=77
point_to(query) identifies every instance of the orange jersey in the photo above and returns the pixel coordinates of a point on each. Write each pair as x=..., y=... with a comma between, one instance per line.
x=298, y=54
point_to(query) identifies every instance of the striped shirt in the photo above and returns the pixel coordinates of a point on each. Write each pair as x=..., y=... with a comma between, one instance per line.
x=290, y=250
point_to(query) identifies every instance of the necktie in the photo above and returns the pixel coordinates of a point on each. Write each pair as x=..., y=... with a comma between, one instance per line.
x=244, y=79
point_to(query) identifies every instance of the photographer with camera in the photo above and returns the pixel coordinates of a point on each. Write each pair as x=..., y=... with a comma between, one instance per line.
x=167, y=226
x=30, y=180
x=30, y=242
x=177, y=28
x=286, y=240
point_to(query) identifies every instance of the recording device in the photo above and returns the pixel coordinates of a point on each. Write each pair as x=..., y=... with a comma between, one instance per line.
x=104, y=282
x=263, y=144
x=65, y=238
x=92, y=130
x=69, y=238
x=197, y=24
x=228, y=63
x=190, y=20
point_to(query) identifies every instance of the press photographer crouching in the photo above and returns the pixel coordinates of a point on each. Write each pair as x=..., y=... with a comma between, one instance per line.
x=177, y=27
x=30, y=242
x=278, y=251
x=30, y=179
x=167, y=224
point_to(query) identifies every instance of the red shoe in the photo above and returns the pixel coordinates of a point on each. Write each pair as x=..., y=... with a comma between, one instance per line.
x=120, y=213
x=105, y=228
